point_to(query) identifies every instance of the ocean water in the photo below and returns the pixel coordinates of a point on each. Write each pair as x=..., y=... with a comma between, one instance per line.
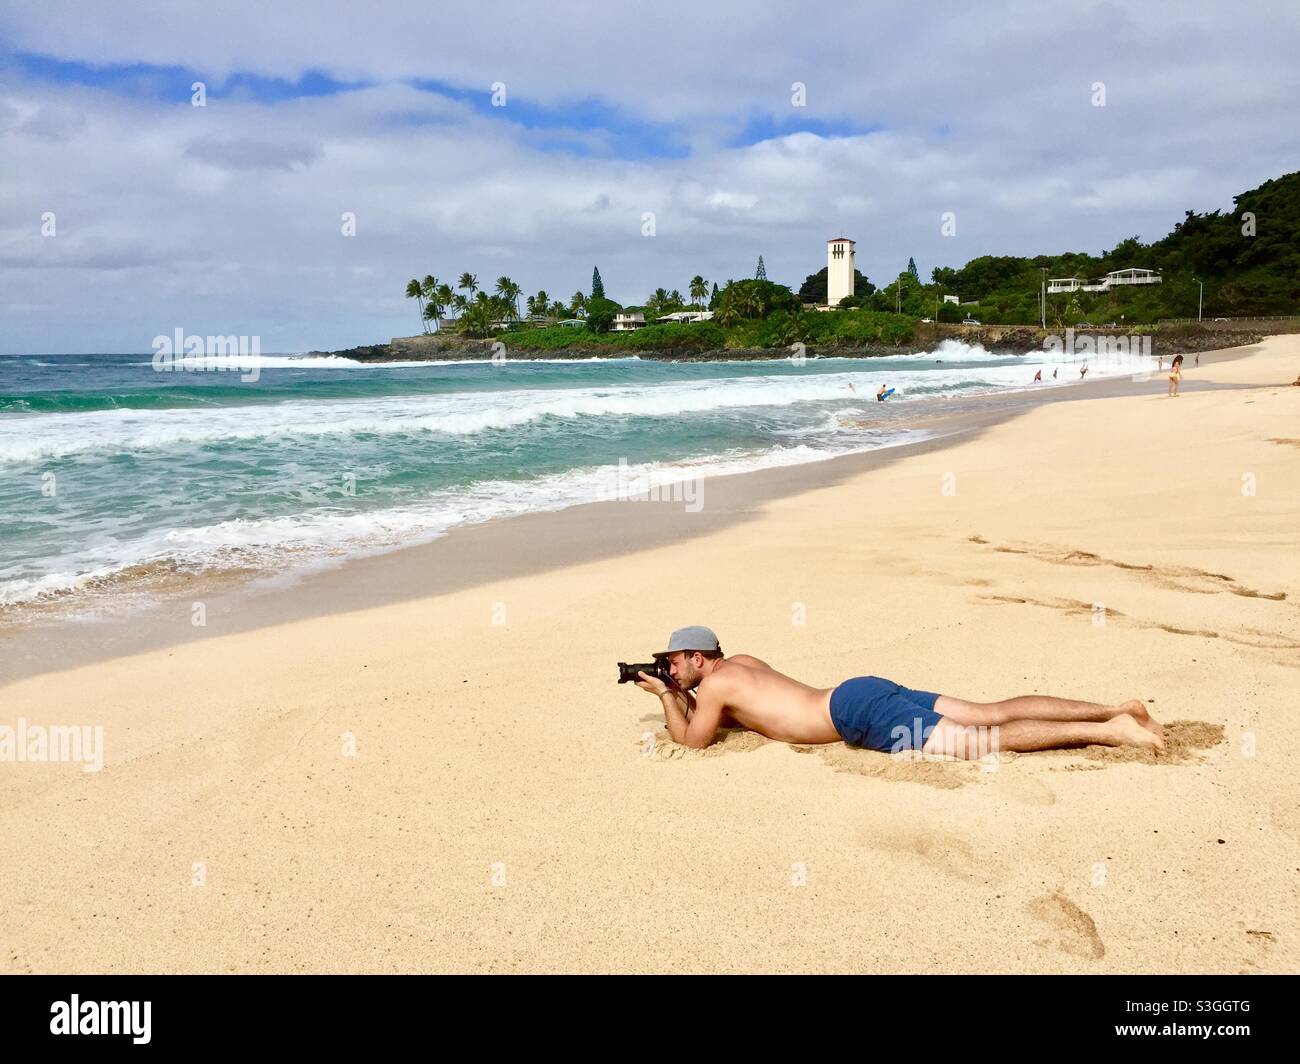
x=109, y=467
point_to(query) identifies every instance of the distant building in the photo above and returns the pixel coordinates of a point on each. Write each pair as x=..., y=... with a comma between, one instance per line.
x=1111, y=280
x=626, y=321
x=840, y=269
x=951, y=299
x=685, y=316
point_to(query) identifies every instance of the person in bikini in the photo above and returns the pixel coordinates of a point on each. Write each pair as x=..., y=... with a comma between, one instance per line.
x=1175, y=374
x=710, y=691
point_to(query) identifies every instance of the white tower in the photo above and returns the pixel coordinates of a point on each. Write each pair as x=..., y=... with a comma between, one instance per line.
x=840, y=265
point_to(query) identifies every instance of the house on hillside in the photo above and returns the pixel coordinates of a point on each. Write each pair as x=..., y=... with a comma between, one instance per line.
x=686, y=316
x=626, y=321
x=1133, y=275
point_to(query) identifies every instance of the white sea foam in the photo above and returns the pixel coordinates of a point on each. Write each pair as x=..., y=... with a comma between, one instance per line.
x=310, y=537
x=27, y=438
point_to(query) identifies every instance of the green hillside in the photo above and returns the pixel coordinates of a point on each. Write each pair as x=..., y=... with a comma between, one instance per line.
x=1244, y=272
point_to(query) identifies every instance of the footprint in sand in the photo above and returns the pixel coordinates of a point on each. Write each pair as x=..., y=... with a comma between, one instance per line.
x=1073, y=929
x=949, y=854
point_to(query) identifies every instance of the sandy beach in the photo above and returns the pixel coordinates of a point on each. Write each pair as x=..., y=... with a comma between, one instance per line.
x=452, y=781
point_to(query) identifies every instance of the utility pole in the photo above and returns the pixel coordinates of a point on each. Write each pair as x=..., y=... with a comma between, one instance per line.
x=1042, y=295
x=1200, y=295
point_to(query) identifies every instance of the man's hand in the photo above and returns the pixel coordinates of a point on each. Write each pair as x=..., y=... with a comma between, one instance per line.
x=652, y=684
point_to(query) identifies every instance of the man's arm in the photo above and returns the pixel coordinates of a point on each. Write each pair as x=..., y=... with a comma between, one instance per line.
x=695, y=730
x=704, y=721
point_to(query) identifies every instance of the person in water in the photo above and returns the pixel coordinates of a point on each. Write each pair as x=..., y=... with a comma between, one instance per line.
x=1038, y=376
x=880, y=395
x=711, y=691
x=1175, y=374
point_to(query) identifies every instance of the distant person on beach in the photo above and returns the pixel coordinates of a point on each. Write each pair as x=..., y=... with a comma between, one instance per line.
x=1175, y=374
x=1084, y=371
x=1198, y=358
x=1160, y=364
x=709, y=691
x=1054, y=369
x=1038, y=376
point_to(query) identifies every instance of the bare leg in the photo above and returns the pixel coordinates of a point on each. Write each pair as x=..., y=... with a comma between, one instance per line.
x=1041, y=707
x=1032, y=707
x=973, y=742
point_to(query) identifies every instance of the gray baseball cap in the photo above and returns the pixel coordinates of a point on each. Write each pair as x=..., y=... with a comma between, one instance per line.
x=694, y=637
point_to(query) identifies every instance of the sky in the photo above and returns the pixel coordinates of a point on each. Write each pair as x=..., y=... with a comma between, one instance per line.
x=533, y=140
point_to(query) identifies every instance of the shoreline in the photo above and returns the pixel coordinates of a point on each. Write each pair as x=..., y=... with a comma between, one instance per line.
x=65, y=632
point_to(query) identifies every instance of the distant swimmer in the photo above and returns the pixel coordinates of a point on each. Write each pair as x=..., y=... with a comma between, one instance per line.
x=852, y=389
x=1038, y=376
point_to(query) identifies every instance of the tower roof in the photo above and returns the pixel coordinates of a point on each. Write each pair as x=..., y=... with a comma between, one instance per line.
x=841, y=239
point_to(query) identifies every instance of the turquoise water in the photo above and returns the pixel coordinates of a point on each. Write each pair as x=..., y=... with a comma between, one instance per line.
x=109, y=465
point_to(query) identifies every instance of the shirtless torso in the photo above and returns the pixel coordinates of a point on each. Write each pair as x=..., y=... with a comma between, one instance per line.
x=749, y=693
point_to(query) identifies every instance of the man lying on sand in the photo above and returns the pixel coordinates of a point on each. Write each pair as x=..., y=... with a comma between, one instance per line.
x=741, y=691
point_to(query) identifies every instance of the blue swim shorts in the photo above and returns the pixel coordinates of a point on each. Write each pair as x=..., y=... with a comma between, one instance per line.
x=880, y=715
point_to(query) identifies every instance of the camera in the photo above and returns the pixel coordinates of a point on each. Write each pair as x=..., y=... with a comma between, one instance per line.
x=659, y=667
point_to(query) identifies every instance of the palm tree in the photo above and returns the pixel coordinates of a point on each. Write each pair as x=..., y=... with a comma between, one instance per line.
x=541, y=301
x=675, y=297
x=460, y=303
x=429, y=290
x=478, y=319
x=413, y=291
x=435, y=305
x=657, y=302
x=509, y=291
x=444, y=296
x=699, y=288
x=559, y=310
x=578, y=304
x=468, y=282
x=726, y=314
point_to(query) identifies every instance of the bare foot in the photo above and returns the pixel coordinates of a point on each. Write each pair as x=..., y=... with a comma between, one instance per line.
x=1138, y=711
x=1128, y=732
x=1135, y=708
